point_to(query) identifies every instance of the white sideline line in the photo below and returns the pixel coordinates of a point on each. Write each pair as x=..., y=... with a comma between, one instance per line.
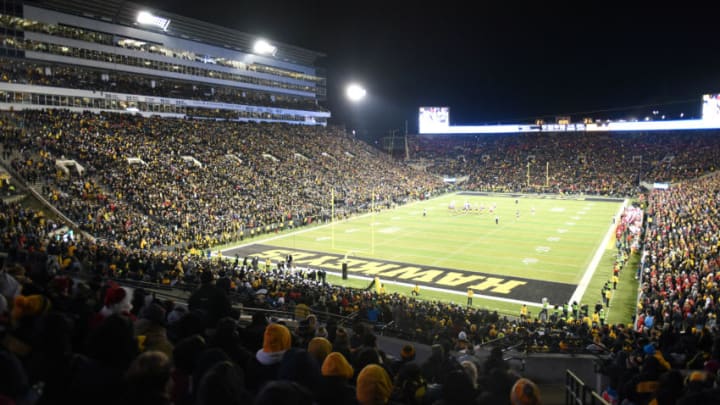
x=585, y=281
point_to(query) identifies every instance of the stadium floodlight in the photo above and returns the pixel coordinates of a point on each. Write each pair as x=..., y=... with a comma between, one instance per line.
x=147, y=18
x=355, y=92
x=263, y=47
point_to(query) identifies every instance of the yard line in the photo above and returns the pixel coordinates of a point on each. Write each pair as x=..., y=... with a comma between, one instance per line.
x=467, y=245
x=585, y=281
x=287, y=235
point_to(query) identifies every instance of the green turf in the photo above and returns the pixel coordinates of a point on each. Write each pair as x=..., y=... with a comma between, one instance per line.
x=556, y=243
x=473, y=242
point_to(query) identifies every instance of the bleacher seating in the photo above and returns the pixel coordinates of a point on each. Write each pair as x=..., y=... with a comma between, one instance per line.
x=60, y=287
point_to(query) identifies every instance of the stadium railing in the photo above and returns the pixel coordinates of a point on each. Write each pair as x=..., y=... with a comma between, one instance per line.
x=578, y=393
x=169, y=293
x=641, y=275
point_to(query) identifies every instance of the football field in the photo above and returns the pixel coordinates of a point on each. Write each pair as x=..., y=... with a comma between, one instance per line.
x=511, y=248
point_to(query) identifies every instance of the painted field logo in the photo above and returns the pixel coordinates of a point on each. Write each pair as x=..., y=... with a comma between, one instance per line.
x=451, y=279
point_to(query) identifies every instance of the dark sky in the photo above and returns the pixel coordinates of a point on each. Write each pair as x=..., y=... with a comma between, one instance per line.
x=490, y=63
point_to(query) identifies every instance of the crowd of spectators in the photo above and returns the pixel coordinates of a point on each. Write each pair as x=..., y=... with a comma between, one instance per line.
x=673, y=355
x=200, y=182
x=108, y=340
x=193, y=184
x=250, y=176
x=570, y=163
x=63, y=340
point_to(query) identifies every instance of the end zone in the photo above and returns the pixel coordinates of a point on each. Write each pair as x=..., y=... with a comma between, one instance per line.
x=487, y=285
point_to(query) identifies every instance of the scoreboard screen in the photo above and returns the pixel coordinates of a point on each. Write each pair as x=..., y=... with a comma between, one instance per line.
x=434, y=119
x=711, y=107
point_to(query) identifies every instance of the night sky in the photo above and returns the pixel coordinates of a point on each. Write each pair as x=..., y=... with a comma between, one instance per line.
x=490, y=63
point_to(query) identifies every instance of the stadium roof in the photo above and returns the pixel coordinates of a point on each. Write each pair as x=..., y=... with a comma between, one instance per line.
x=125, y=12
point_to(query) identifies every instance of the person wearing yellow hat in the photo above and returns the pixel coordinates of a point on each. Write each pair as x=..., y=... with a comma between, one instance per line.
x=337, y=373
x=29, y=306
x=373, y=386
x=266, y=363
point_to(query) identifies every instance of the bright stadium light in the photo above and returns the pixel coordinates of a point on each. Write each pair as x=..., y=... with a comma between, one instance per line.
x=355, y=92
x=147, y=18
x=263, y=47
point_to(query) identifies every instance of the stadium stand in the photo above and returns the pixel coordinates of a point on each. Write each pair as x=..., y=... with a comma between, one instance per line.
x=260, y=179
x=683, y=336
x=611, y=164
x=110, y=297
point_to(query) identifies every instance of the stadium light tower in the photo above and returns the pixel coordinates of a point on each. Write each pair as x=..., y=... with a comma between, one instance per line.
x=355, y=92
x=263, y=47
x=147, y=18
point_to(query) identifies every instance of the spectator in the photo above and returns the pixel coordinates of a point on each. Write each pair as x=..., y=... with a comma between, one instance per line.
x=117, y=302
x=284, y=392
x=301, y=367
x=373, y=386
x=210, y=300
x=222, y=384
x=319, y=348
x=525, y=392
x=407, y=355
x=150, y=329
x=148, y=379
x=266, y=363
x=409, y=386
x=337, y=373
x=111, y=349
x=227, y=338
x=185, y=355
